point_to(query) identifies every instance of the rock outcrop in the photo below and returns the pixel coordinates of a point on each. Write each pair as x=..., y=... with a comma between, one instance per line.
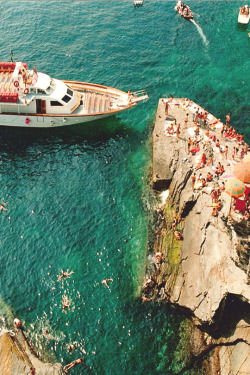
x=211, y=266
x=17, y=355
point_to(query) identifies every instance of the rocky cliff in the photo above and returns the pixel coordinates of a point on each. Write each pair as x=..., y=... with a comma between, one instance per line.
x=17, y=356
x=207, y=274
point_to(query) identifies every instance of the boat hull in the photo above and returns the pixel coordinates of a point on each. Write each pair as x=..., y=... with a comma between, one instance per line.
x=50, y=120
x=243, y=19
x=40, y=121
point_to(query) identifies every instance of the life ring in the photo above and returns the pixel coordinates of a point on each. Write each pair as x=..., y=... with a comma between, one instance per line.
x=27, y=121
x=16, y=83
x=26, y=91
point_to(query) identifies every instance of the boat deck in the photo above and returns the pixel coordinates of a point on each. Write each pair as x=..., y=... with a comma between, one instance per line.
x=94, y=102
x=6, y=82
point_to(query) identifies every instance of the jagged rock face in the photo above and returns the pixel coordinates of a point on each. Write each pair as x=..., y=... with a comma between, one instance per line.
x=207, y=272
x=214, y=262
x=211, y=249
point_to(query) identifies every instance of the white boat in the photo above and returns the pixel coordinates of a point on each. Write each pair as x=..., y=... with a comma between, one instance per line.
x=138, y=2
x=184, y=10
x=243, y=16
x=35, y=100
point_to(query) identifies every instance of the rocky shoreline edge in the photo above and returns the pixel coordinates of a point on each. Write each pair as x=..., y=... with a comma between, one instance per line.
x=17, y=354
x=205, y=275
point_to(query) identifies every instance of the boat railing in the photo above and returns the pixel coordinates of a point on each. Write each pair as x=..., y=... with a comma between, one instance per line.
x=140, y=95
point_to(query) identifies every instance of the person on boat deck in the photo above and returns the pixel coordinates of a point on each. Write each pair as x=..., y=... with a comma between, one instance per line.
x=24, y=75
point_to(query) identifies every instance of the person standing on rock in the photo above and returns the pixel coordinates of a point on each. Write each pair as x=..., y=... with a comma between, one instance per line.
x=196, y=116
x=228, y=117
x=17, y=323
x=166, y=108
x=186, y=120
x=193, y=179
x=226, y=152
x=178, y=131
x=189, y=144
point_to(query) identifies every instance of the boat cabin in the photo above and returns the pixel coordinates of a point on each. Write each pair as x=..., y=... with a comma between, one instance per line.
x=29, y=91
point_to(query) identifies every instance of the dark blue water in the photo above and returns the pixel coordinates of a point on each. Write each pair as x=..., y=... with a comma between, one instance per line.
x=79, y=198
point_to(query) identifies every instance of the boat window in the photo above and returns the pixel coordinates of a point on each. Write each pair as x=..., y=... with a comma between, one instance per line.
x=40, y=91
x=49, y=90
x=69, y=92
x=66, y=98
x=55, y=103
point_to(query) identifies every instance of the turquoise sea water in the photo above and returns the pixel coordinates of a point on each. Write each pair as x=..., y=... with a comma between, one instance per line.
x=79, y=198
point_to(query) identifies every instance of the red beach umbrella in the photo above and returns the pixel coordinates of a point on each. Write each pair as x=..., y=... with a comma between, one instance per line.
x=234, y=187
x=242, y=172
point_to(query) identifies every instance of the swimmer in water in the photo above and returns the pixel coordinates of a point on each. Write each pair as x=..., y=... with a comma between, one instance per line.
x=65, y=302
x=145, y=299
x=70, y=348
x=64, y=274
x=2, y=206
x=105, y=282
x=72, y=364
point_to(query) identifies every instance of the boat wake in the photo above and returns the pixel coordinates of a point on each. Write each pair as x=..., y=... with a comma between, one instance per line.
x=200, y=32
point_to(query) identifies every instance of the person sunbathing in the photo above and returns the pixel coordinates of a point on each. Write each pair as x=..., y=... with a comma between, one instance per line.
x=217, y=172
x=222, y=170
x=222, y=187
x=207, y=133
x=178, y=235
x=197, y=130
x=209, y=177
x=203, y=182
x=217, y=143
x=214, y=194
x=214, y=212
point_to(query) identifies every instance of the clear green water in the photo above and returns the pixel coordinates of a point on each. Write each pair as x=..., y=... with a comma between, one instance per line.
x=78, y=198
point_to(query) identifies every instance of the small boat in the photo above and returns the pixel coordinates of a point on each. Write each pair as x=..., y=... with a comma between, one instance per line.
x=243, y=16
x=184, y=10
x=35, y=100
x=138, y=3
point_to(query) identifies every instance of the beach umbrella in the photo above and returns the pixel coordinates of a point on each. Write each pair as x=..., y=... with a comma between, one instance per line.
x=242, y=172
x=246, y=159
x=234, y=187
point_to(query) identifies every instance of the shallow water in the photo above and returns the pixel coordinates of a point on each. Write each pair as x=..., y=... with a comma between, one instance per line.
x=78, y=198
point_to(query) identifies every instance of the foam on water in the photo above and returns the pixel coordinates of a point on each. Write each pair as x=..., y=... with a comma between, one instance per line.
x=200, y=32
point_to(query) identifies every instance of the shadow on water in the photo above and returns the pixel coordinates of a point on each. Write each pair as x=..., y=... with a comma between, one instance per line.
x=241, y=27
x=14, y=140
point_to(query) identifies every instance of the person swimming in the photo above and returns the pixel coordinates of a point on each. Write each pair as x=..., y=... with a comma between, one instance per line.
x=64, y=274
x=105, y=282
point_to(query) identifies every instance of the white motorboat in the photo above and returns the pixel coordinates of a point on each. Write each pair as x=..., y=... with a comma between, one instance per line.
x=35, y=100
x=243, y=16
x=184, y=10
x=138, y=2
